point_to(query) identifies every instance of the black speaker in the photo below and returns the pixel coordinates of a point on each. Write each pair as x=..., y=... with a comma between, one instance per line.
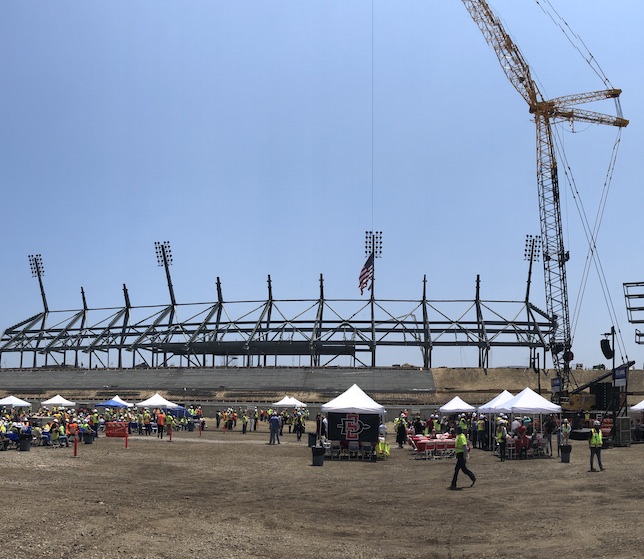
x=600, y=390
x=606, y=350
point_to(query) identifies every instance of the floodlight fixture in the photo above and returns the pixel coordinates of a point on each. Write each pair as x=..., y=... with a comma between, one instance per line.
x=38, y=271
x=164, y=258
x=163, y=252
x=36, y=265
x=532, y=248
x=373, y=243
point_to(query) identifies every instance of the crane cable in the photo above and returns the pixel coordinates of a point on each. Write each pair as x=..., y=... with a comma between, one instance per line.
x=592, y=256
x=574, y=39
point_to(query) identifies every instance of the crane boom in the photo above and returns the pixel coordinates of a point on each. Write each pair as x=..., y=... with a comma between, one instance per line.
x=545, y=113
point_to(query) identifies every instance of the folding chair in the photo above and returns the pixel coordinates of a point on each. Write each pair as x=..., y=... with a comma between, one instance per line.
x=450, y=448
x=327, y=447
x=412, y=444
x=430, y=449
x=421, y=445
x=367, y=450
x=511, y=449
x=353, y=450
x=440, y=448
x=336, y=450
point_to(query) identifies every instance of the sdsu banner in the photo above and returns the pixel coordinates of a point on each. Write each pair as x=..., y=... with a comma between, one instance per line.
x=360, y=427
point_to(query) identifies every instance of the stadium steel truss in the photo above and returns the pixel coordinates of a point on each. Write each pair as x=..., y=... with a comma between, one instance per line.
x=263, y=332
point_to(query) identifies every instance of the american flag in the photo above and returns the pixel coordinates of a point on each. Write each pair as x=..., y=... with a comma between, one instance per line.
x=366, y=274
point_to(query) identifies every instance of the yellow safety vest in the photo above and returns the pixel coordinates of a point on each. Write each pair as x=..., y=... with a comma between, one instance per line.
x=460, y=443
x=501, y=434
x=596, y=438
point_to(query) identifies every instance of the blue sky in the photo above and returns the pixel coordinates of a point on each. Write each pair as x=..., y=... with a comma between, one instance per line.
x=266, y=137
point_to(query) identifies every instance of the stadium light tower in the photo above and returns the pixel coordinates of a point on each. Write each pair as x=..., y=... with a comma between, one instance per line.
x=372, y=250
x=164, y=258
x=531, y=254
x=38, y=271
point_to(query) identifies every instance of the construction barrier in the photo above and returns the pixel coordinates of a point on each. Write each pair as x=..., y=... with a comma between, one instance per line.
x=116, y=429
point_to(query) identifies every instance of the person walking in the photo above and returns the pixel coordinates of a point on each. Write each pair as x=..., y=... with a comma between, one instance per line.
x=502, y=438
x=595, y=444
x=462, y=446
x=169, y=424
x=401, y=430
x=160, y=424
x=275, y=424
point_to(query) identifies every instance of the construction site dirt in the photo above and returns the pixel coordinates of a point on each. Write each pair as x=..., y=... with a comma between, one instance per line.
x=230, y=495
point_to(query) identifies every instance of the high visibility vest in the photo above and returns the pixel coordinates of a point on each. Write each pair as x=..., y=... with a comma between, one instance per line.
x=596, y=438
x=501, y=435
x=460, y=443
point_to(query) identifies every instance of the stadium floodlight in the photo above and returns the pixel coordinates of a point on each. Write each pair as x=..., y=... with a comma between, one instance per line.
x=164, y=253
x=531, y=254
x=164, y=258
x=38, y=271
x=35, y=263
x=373, y=243
x=532, y=248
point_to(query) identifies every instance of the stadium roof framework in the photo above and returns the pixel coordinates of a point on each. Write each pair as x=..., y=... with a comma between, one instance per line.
x=265, y=332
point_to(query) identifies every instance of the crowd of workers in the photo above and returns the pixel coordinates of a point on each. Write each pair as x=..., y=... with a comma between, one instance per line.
x=59, y=426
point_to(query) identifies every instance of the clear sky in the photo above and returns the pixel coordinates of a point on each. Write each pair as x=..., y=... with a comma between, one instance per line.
x=266, y=137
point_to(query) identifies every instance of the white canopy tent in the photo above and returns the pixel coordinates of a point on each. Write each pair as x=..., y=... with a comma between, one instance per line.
x=528, y=401
x=491, y=406
x=354, y=400
x=14, y=402
x=289, y=402
x=638, y=407
x=58, y=400
x=157, y=401
x=456, y=405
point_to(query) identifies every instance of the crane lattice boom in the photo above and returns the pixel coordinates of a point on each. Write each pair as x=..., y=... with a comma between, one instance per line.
x=545, y=113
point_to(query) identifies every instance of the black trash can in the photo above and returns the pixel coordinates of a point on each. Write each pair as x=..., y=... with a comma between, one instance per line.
x=565, y=450
x=88, y=438
x=313, y=438
x=24, y=441
x=191, y=426
x=318, y=455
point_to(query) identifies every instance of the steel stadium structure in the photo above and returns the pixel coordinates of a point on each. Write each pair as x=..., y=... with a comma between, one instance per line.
x=266, y=332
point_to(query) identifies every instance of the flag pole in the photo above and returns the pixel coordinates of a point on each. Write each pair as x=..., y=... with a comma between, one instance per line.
x=373, y=250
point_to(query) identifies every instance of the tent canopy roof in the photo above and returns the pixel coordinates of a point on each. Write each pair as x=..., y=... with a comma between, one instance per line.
x=353, y=400
x=289, y=402
x=58, y=400
x=14, y=402
x=456, y=405
x=491, y=406
x=638, y=407
x=115, y=402
x=528, y=401
x=157, y=401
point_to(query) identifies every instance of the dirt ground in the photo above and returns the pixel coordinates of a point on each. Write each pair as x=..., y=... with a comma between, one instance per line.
x=228, y=495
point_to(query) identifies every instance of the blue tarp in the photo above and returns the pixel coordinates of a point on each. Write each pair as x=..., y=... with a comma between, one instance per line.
x=179, y=412
x=112, y=404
